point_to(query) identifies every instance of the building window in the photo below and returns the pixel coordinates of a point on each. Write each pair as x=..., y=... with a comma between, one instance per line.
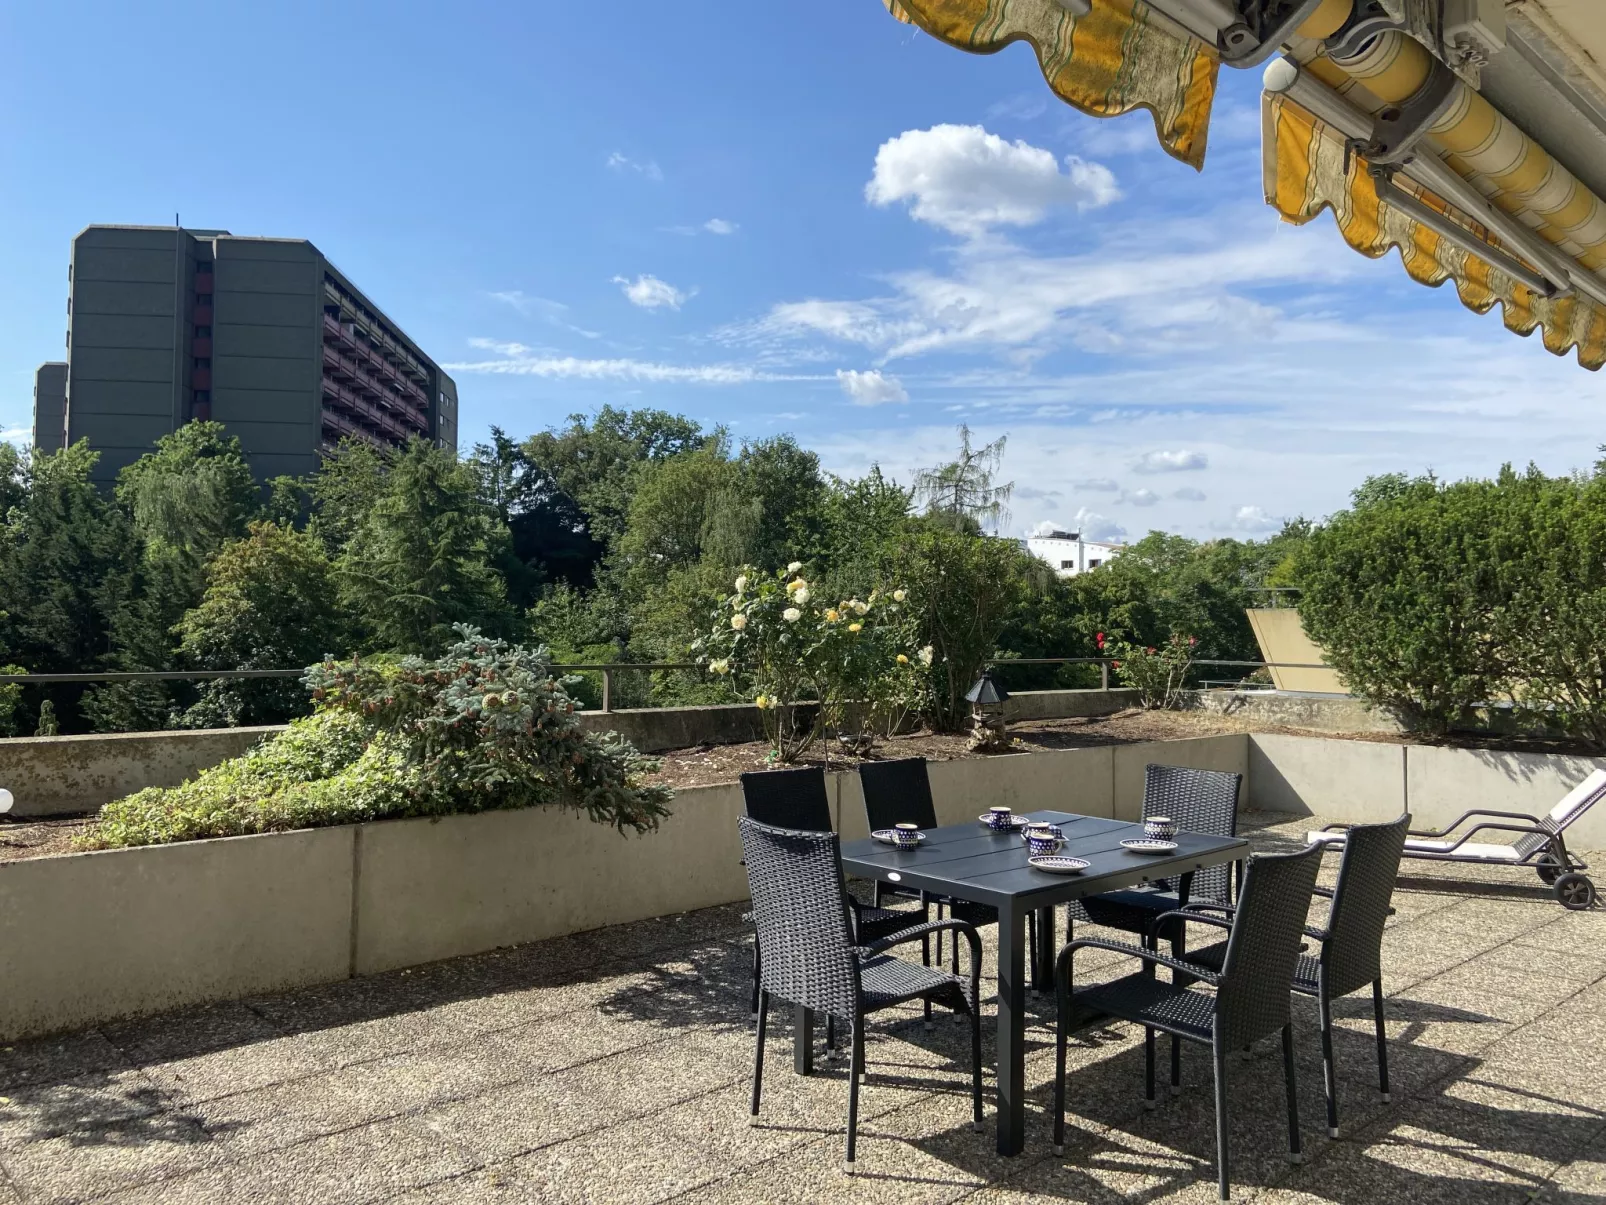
x=1094, y=563
x=203, y=332
x=202, y=362
x=1067, y=564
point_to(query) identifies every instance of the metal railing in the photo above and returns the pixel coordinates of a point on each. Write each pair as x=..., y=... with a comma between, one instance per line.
x=606, y=670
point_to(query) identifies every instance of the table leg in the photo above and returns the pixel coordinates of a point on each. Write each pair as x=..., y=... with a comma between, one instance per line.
x=1011, y=1030
x=1043, y=968
x=803, y=1040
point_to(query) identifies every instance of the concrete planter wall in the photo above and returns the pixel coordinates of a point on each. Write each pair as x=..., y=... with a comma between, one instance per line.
x=86, y=938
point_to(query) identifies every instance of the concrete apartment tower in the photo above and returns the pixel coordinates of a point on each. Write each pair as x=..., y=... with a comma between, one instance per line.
x=168, y=325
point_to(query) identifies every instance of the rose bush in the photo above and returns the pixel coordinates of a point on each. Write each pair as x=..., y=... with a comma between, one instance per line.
x=1158, y=674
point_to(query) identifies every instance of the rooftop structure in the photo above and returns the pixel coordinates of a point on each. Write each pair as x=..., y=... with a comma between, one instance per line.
x=168, y=325
x=1068, y=554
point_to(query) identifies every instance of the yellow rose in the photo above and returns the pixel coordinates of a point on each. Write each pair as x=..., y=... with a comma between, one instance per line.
x=762, y=702
x=855, y=627
x=902, y=660
x=738, y=622
x=796, y=583
x=832, y=615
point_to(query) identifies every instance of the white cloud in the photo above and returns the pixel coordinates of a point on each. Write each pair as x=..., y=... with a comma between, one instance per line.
x=1189, y=494
x=1255, y=521
x=650, y=293
x=720, y=226
x=1142, y=497
x=642, y=167
x=1098, y=485
x=1170, y=462
x=871, y=388
x=499, y=347
x=543, y=308
x=966, y=180
x=571, y=367
x=1095, y=526
x=21, y=436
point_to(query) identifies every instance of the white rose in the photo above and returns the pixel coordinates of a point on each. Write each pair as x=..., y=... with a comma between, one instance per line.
x=738, y=622
x=861, y=608
x=720, y=667
x=794, y=566
x=925, y=655
x=801, y=596
x=741, y=583
x=791, y=615
x=899, y=595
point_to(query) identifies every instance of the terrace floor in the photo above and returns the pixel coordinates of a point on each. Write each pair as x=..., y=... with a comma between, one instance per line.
x=613, y=1067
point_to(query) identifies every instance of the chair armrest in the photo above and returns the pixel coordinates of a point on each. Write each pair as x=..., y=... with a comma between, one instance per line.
x=916, y=932
x=1183, y=914
x=1468, y=815
x=1481, y=828
x=1062, y=965
x=1229, y=909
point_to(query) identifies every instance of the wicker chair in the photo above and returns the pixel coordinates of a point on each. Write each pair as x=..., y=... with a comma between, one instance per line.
x=800, y=908
x=1351, y=942
x=1251, y=989
x=1200, y=801
x=796, y=799
x=899, y=792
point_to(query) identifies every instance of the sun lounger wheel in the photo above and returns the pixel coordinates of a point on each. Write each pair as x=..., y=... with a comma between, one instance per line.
x=1548, y=868
x=1575, y=891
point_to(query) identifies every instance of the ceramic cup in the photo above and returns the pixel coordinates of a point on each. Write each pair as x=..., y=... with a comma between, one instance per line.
x=906, y=836
x=1160, y=828
x=1000, y=818
x=1042, y=839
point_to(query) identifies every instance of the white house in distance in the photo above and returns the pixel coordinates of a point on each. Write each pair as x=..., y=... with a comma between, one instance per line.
x=1068, y=554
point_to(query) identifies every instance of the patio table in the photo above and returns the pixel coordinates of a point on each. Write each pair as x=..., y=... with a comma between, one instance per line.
x=971, y=862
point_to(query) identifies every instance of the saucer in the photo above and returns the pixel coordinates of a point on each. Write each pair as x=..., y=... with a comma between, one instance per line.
x=1015, y=821
x=1148, y=845
x=885, y=835
x=1058, y=864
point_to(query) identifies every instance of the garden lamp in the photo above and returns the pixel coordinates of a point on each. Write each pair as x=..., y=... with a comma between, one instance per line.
x=989, y=731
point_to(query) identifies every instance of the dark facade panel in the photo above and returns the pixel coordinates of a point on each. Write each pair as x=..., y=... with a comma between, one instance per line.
x=127, y=264
x=260, y=372
x=267, y=465
x=87, y=399
x=122, y=331
x=120, y=364
x=271, y=439
x=49, y=407
x=273, y=342
x=267, y=276
x=120, y=298
x=298, y=406
x=264, y=309
x=127, y=431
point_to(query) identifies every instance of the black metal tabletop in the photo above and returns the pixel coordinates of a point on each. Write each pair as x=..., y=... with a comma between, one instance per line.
x=975, y=863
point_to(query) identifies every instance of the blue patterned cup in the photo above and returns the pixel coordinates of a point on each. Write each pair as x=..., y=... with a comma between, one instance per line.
x=1001, y=819
x=1042, y=839
x=906, y=836
x=1160, y=828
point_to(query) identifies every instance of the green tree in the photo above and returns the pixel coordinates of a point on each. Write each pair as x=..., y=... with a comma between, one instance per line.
x=963, y=491
x=349, y=480
x=271, y=603
x=1403, y=592
x=424, y=557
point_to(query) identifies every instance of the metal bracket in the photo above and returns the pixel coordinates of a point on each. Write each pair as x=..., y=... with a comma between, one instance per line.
x=1367, y=21
x=1240, y=45
x=1397, y=130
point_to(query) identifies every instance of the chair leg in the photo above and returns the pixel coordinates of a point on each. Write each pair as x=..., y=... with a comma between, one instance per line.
x=758, y=1053
x=1324, y=1008
x=1148, y=1067
x=925, y=960
x=1031, y=957
x=1382, y=1040
x=855, y=1070
x=1176, y=1065
x=1221, y=1118
x=1294, y=1155
x=830, y=1036
x=753, y=1007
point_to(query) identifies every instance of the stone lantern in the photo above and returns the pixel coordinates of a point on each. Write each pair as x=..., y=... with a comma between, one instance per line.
x=989, y=731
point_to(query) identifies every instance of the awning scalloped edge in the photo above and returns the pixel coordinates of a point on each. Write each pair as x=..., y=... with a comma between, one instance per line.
x=1305, y=172
x=1115, y=59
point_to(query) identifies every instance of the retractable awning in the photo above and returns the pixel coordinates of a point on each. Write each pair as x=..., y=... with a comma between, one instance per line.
x=1470, y=135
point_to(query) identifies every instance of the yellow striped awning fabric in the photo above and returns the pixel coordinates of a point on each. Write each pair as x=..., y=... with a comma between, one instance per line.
x=1119, y=57
x=1306, y=170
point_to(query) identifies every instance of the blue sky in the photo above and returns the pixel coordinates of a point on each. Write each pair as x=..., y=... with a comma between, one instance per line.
x=825, y=224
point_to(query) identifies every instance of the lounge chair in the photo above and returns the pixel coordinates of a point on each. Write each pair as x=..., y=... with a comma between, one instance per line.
x=1540, y=845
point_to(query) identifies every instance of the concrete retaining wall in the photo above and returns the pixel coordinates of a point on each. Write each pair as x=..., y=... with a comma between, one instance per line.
x=55, y=775
x=1367, y=782
x=1320, y=713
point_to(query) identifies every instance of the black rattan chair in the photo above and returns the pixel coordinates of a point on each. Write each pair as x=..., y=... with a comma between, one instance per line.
x=1250, y=1000
x=1351, y=942
x=800, y=908
x=796, y=799
x=899, y=792
x=1200, y=801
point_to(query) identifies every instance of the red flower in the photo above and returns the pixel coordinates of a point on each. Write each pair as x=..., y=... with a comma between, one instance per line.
x=1151, y=648
x=1100, y=639
x=1192, y=640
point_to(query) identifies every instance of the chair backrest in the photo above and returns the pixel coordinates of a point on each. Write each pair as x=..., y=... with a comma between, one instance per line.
x=800, y=910
x=1573, y=805
x=1200, y=801
x=788, y=798
x=1352, y=957
x=897, y=792
x=1258, y=970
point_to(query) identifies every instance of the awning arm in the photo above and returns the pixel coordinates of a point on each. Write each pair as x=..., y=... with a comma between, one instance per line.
x=1231, y=26
x=1284, y=76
